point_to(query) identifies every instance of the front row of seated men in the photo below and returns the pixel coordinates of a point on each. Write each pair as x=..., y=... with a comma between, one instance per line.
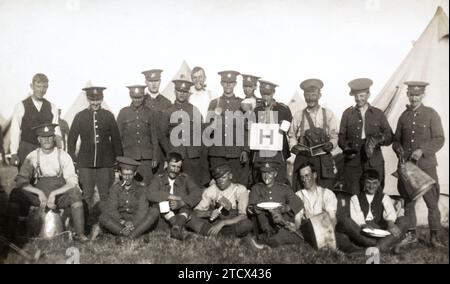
x=173, y=199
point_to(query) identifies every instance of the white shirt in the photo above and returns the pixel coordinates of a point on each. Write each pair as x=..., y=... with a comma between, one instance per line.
x=237, y=194
x=50, y=164
x=16, y=122
x=389, y=213
x=171, y=183
x=322, y=200
x=363, y=114
x=201, y=99
x=295, y=137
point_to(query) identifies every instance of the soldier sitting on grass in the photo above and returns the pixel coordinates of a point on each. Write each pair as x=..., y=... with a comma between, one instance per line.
x=127, y=214
x=179, y=190
x=274, y=227
x=223, y=208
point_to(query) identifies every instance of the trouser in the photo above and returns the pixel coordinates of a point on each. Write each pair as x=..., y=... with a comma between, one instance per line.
x=113, y=226
x=270, y=233
x=21, y=200
x=103, y=178
x=260, y=156
x=202, y=226
x=322, y=180
x=431, y=199
x=240, y=171
x=350, y=228
x=352, y=176
x=167, y=220
x=145, y=170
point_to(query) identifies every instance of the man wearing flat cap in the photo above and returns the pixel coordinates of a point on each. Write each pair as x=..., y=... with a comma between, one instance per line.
x=249, y=85
x=99, y=147
x=179, y=190
x=47, y=179
x=227, y=130
x=271, y=111
x=182, y=132
x=127, y=214
x=29, y=113
x=314, y=126
x=274, y=226
x=418, y=137
x=363, y=131
x=223, y=207
x=157, y=103
x=138, y=132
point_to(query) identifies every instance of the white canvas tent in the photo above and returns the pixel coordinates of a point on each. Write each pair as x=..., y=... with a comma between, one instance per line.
x=184, y=72
x=78, y=105
x=427, y=61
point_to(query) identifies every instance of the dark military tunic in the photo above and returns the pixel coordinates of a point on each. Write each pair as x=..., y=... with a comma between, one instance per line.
x=421, y=129
x=127, y=204
x=236, y=127
x=139, y=138
x=187, y=123
x=265, y=114
x=157, y=106
x=350, y=138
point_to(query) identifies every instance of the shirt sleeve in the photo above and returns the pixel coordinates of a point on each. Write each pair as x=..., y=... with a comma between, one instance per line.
x=242, y=199
x=333, y=126
x=68, y=168
x=25, y=174
x=355, y=211
x=389, y=213
x=16, y=122
x=330, y=202
x=55, y=120
x=206, y=201
x=292, y=134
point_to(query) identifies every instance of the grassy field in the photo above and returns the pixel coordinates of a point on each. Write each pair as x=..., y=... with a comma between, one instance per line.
x=163, y=250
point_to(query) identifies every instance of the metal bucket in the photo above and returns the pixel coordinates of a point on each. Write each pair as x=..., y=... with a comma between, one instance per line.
x=415, y=180
x=45, y=224
x=319, y=232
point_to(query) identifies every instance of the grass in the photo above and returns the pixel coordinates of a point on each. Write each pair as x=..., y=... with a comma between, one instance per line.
x=200, y=250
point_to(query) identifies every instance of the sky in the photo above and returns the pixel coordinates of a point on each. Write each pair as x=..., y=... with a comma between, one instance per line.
x=109, y=43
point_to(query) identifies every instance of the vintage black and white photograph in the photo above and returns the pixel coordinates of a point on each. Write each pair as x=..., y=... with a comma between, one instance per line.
x=224, y=132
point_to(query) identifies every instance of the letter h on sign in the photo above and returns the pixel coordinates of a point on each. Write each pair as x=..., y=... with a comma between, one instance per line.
x=265, y=136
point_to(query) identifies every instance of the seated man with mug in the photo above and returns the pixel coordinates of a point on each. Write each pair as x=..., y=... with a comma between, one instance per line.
x=176, y=193
x=127, y=213
x=47, y=179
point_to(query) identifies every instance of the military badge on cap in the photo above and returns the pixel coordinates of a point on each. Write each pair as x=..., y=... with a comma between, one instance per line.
x=269, y=166
x=228, y=76
x=416, y=87
x=311, y=85
x=94, y=93
x=266, y=86
x=137, y=90
x=249, y=80
x=45, y=130
x=152, y=75
x=360, y=85
x=182, y=85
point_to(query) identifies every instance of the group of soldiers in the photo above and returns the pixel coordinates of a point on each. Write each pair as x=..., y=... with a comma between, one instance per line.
x=170, y=175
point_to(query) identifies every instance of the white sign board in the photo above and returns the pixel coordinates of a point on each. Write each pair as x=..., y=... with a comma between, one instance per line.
x=265, y=136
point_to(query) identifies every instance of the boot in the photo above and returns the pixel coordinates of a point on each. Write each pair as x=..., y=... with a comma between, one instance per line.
x=410, y=238
x=434, y=239
x=78, y=222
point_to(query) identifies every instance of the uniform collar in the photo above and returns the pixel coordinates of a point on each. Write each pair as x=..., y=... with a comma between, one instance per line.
x=150, y=95
x=228, y=98
x=408, y=107
x=369, y=107
x=141, y=107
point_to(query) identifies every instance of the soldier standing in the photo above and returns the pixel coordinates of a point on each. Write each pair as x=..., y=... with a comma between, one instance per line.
x=139, y=134
x=418, y=137
x=363, y=130
x=314, y=126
